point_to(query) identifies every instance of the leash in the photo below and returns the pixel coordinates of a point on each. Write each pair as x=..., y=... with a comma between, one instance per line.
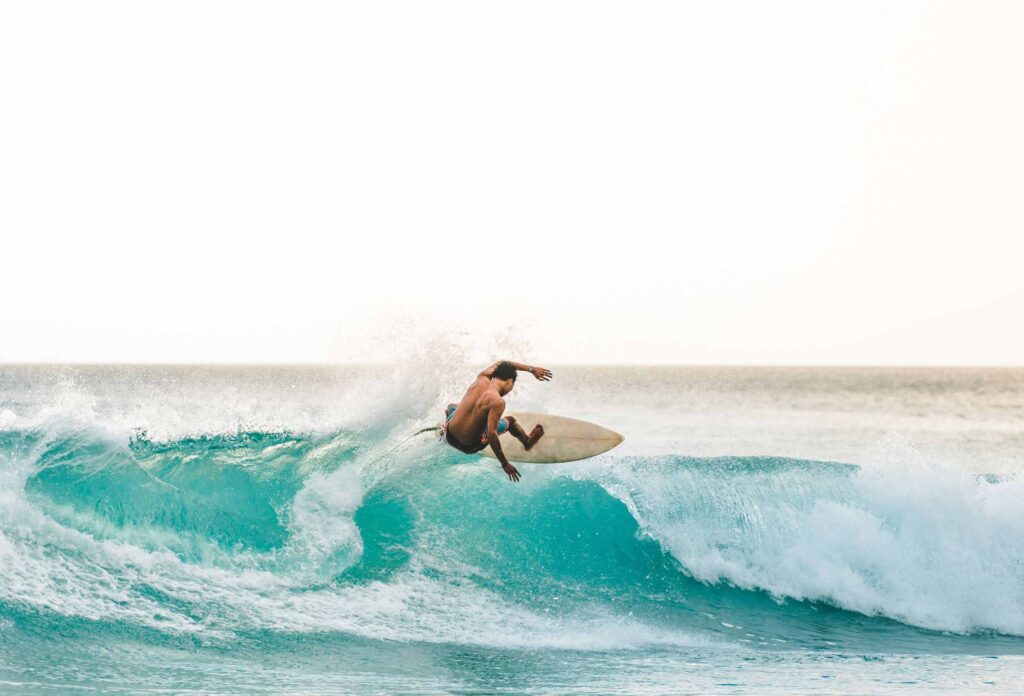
x=432, y=428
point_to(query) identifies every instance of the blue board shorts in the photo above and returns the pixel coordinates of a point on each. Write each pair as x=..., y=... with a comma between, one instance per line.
x=449, y=412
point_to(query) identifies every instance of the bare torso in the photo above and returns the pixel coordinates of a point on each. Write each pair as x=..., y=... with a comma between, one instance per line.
x=470, y=419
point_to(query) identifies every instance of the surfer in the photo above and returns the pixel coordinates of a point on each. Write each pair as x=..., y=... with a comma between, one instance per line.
x=477, y=419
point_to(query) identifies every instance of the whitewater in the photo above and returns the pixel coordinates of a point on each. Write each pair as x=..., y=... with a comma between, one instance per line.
x=232, y=529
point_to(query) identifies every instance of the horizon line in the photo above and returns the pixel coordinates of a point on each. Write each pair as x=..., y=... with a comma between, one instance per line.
x=27, y=363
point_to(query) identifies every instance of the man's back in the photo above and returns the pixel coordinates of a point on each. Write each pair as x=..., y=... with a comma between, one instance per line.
x=470, y=417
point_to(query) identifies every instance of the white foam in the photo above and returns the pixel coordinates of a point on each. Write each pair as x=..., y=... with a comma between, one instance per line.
x=321, y=522
x=930, y=546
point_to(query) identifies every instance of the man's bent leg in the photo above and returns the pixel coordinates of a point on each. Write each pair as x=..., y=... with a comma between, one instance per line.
x=517, y=431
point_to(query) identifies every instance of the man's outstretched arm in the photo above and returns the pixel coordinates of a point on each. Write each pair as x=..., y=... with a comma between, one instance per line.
x=494, y=411
x=541, y=373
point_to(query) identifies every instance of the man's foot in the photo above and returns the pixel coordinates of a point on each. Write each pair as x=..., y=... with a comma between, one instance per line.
x=535, y=434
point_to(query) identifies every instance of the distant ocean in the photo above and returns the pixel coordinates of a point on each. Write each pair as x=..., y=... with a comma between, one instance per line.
x=761, y=530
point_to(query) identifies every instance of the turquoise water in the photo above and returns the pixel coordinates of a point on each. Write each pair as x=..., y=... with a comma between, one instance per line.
x=224, y=529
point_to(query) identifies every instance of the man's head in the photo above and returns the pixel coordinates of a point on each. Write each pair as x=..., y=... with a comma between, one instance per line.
x=504, y=377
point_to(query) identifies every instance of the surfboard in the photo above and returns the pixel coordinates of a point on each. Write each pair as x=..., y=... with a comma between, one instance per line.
x=565, y=440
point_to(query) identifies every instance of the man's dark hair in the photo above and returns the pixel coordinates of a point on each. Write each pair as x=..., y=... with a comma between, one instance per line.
x=504, y=370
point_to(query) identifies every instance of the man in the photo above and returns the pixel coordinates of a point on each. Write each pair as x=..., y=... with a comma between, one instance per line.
x=477, y=422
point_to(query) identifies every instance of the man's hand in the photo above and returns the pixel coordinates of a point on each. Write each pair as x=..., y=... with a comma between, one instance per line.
x=541, y=373
x=511, y=471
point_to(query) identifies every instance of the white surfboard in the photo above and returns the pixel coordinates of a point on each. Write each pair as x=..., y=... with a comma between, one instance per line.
x=565, y=440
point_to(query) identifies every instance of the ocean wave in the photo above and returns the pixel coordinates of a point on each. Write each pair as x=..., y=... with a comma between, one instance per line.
x=218, y=535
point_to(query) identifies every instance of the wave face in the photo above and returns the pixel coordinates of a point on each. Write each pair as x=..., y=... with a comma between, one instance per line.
x=239, y=540
x=224, y=535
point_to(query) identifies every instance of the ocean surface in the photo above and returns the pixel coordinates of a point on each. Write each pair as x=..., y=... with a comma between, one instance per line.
x=761, y=530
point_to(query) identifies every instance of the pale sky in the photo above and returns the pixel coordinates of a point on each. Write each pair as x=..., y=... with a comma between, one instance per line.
x=591, y=182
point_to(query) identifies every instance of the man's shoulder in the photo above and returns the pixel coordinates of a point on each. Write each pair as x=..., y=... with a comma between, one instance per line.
x=491, y=398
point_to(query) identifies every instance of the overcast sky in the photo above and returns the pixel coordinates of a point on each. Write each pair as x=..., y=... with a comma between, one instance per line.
x=593, y=182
